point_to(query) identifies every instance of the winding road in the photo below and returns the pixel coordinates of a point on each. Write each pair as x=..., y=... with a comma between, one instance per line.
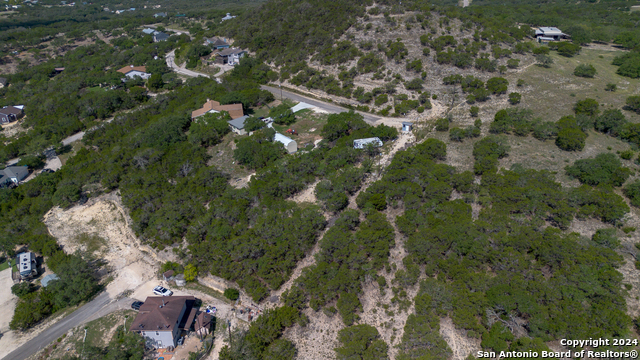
x=100, y=306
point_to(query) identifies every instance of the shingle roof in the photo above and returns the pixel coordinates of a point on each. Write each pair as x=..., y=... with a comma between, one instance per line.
x=216, y=41
x=3, y=81
x=10, y=110
x=18, y=172
x=49, y=278
x=130, y=68
x=160, y=313
x=234, y=110
x=160, y=36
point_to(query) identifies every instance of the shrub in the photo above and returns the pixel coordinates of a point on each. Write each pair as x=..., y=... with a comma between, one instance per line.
x=514, y=98
x=474, y=110
x=497, y=85
x=433, y=148
x=604, y=169
x=633, y=103
x=414, y=65
x=610, y=87
x=487, y=151
x=544, y=60
x=632, y=191
x=571, y=139
x=545, y=130
x=381, y=99
x=568, y=49
x=520, y=83
x=231, y=294
x=415, y=84
x=23, y=289
x=513, y=63
x=282, y=115
x=585, y=70
x=627, y=154
x=586, y=106
x=611, y=122
x=442, y=124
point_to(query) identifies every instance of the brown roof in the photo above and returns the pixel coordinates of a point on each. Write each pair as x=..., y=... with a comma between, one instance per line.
x=129, y=68
x=203, y=320
x=8, y=110
x=234, y=110
x=168, y=274
x=154, y=316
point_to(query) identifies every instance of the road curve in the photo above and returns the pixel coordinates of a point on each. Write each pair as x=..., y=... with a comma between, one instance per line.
x=170, y=58
x=331, y=108
x=100, y=306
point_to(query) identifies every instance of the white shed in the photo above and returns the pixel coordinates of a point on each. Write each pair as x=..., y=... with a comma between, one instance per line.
x=288, y=143
x=407, y=126
x=361, y=143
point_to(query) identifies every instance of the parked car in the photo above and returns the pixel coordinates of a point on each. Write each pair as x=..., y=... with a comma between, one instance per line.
x=136, y=305
x=159, y=290
x=49, y=171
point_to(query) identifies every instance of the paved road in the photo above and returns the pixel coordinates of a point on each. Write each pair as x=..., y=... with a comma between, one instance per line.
x=94, y=309
x=73, y=138
x=332, y=108
x=170, y=57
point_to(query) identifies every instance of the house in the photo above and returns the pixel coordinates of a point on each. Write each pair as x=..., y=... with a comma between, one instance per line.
x=27, y=265
x=3, y=82
x=133, y=71
x=160, y=36
x=47, y=279
x=217, y=43
x=549, y=34
x=228, y=17
x=160, y=14
x=13, y=174
x=11, y=113
x=237, y=125
x=362, y=143
x=212, y=106
x=148, y=31
x=229, y=56
x=407, y=126
x=288, y=143
x=161, y=320
x=203, y=324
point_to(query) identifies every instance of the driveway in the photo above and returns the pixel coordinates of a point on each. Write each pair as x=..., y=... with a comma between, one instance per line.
x=98, y=307
x=171, y=57
x=331, y=108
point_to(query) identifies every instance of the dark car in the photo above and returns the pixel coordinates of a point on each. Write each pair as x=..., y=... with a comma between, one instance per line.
x=136, y=305
x=49, y=171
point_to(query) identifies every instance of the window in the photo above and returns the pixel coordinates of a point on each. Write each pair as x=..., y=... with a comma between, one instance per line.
x=157, y=333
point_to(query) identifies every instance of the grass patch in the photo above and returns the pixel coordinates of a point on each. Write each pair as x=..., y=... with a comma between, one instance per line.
x=92, y=242
x=549, y=91
x=4, y=266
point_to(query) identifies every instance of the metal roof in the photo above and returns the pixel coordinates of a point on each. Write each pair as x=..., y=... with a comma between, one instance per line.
x=49, y=278
x=551, y=31
x=282, y=139
x=238, y=123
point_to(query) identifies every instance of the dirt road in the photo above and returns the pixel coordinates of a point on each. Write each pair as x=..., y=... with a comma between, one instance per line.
x=171, y=57
x=100, y=306
x=331, y=108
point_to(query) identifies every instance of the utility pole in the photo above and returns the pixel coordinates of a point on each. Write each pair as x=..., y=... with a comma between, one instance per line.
x=280, y=92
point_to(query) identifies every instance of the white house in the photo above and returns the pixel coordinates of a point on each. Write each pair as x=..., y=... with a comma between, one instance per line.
x=288, y=143
x=362, y=143
x=228, y=17
x=230, y=56
x=160, y=318
x=549, y=34
x=27, y=265
x=133, y=71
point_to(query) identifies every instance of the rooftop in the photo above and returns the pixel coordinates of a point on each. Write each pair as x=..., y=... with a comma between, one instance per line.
x=130, y=68
x=234, y=110
x=282, y=139
x=239, y=122
x=161, y=313
x=230, y=51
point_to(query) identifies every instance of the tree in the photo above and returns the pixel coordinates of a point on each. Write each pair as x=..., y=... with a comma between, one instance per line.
x=252, y=123
x=611, y=87
x=155, y=81
x=361, y=342
x=585, y=70
x=611, y=122
x=473, y=111
x=23, y=289
x=544, y=60
x=571, y=139
x=633, y=103
x=231, y=294
x=514, y=98
x=190, y=272
x=587, y=106
x=209, y=129
x=282, y=115
x=497, y=85
x=632, y=191
x=442, y=124
x=513, y=63
x=568, y=49
x=604, y=169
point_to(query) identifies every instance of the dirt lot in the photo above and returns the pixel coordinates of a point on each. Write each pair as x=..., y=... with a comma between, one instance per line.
x=101, y=227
